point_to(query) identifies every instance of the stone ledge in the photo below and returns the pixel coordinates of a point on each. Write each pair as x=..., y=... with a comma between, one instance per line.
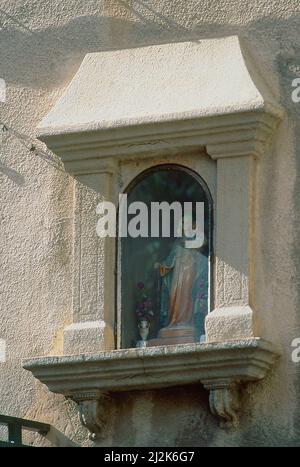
x=155, y=367
x=221, y=367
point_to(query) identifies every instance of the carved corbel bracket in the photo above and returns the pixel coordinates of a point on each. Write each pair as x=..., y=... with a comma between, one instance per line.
x=93, y=411
x=224, y=401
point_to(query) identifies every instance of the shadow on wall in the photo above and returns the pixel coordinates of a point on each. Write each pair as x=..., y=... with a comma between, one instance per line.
x=46, y=58
x=166, y=417
x=12, y=174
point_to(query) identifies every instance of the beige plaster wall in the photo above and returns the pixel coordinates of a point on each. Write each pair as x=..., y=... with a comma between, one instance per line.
x=42, y=44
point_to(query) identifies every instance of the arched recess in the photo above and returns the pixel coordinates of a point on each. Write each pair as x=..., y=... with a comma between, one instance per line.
x=141, y=280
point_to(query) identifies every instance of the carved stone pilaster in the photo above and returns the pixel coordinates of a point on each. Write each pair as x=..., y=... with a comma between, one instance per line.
x=93, y=412
x=92, y=329
x=224, y=402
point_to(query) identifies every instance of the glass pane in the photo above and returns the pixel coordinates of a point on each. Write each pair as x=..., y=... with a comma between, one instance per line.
x=164, y=286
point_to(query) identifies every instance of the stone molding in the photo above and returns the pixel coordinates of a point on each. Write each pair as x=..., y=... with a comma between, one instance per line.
x=229, y=135
x=220, y=367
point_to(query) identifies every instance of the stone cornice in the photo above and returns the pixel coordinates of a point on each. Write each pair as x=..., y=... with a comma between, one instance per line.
x=219, y=366
x=177, y=97
x=133, y=369
x=227, y=135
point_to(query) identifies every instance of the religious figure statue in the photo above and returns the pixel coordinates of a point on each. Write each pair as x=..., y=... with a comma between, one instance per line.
x=184, y=293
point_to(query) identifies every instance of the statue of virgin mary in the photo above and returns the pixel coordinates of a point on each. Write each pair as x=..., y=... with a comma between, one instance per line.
x=184, y=293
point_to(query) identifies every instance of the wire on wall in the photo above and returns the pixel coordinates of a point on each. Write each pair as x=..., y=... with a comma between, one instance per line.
x=32, y=145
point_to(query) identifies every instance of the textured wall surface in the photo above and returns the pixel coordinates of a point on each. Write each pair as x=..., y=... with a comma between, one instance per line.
x=42, y=44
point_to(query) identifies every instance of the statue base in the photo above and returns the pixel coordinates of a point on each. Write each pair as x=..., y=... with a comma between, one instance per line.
x=174, y=335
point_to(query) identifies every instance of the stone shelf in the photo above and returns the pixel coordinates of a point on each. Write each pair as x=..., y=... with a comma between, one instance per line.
x=91, y=379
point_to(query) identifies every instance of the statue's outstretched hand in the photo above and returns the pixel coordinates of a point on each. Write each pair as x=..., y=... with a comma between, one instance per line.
x=163, y=270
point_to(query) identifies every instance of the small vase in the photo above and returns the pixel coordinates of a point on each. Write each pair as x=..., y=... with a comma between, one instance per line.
x=144, y=328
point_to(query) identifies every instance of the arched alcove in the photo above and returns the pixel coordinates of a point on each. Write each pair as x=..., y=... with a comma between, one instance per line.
x=161, y=280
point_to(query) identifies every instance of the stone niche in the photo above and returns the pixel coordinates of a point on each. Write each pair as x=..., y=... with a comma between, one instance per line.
x=199, y=105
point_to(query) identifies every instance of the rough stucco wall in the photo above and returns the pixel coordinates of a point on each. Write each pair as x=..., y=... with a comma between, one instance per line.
x=42, y=44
